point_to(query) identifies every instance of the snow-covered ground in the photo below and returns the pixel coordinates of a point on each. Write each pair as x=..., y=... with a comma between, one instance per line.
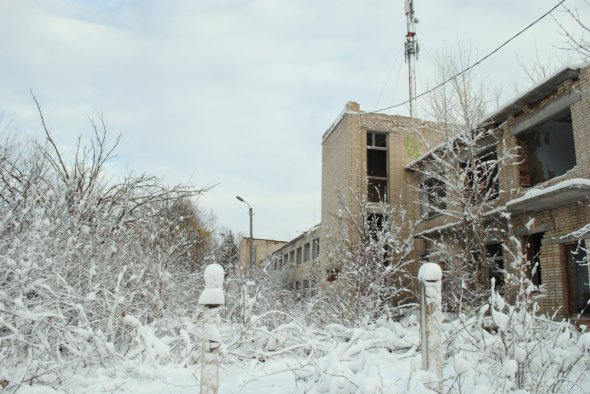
x=382, y=357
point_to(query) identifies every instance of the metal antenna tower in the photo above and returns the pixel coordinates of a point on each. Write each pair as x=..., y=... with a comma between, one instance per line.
x=411, y=51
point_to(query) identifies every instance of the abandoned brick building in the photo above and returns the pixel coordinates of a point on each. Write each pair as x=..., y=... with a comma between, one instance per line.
x=544, y=190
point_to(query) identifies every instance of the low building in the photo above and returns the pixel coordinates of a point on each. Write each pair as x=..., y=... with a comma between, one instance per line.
x=261, y=248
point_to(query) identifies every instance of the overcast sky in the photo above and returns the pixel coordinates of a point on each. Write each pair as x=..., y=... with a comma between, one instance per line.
x=237, y=93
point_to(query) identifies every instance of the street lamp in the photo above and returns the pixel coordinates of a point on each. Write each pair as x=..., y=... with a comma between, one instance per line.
x=251, y=241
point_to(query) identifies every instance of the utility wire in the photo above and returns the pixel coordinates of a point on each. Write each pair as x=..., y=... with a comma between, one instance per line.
x=477, y=62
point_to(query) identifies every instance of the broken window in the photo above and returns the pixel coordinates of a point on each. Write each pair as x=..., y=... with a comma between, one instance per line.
x=496, y=265
x=482, y=181
x=533, y=252
x=316, y=248
x=548, y=149
x=576, y=260
x=434, y=196
x=376, y=166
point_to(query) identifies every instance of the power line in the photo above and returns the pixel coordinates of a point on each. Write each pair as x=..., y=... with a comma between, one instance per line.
x=477, y=62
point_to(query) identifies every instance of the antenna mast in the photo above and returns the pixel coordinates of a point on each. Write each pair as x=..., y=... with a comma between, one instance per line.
x=411, y=50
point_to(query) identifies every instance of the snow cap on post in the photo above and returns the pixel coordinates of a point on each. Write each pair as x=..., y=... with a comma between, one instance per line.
x=430, y=272
x=213, y=292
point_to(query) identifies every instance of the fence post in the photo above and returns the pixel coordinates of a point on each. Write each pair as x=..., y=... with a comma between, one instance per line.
x=212, y=299
x=430, y=276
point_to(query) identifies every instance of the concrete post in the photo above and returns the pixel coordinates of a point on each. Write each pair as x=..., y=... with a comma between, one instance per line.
x=212, y=299
x=430, y=277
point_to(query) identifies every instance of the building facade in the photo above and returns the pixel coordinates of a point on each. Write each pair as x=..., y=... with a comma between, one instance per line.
x=261, y=249
x=544, y=190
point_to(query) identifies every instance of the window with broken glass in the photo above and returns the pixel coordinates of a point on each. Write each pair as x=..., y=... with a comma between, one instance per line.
x=434, y=197
x=495, y=260
x=548, y=149
x=481, y=180
x=376, y=166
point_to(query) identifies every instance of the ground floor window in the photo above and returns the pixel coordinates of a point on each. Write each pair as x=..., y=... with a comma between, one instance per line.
x=496, y=265
x=576, y=264
x=533, y=251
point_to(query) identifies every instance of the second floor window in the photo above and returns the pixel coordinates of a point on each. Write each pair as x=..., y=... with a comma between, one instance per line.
x=548, y=150
x=316, y=248
x=434, y=197
x=306, y=251
x=376, y=166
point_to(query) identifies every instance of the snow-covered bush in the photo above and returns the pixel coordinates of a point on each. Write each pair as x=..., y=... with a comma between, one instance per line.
x=89, y=267
x=508, y=347
x=369, y=252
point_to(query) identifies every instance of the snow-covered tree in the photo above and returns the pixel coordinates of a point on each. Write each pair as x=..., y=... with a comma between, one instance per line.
x=459, y=181
x=84, y=257
x=369, y=260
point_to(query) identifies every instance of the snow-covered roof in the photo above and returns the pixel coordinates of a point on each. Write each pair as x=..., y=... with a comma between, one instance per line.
x=537, y=199
x=535, y=93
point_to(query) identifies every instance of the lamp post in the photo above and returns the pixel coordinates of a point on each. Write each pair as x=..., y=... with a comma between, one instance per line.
x=251, y=241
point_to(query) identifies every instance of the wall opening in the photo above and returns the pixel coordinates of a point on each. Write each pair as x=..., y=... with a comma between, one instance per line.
x=548, y=149
x=377, y=184
x=576, y=263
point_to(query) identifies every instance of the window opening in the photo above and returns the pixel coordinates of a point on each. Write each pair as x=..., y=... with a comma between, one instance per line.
x=548, y=149
x=496, y=265
x=306, y=251
x=577, y=278
x=533, y=256
x=434, y=196
x=376, y=166
x=316, y=248
x=298, y=256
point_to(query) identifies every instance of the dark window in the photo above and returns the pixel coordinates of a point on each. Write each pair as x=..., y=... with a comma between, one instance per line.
x=377, y=163
x=533, y=259
x=496, y=265
x=292, y=257
x=549, y=150
x=298, y=256
x=434, y=196
x=577, y=278
x=482, y=182
x=377, y=189
x=380, y=140
x=316, y=248
x=285, y=258
x=306, y=251
x=376, y=166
